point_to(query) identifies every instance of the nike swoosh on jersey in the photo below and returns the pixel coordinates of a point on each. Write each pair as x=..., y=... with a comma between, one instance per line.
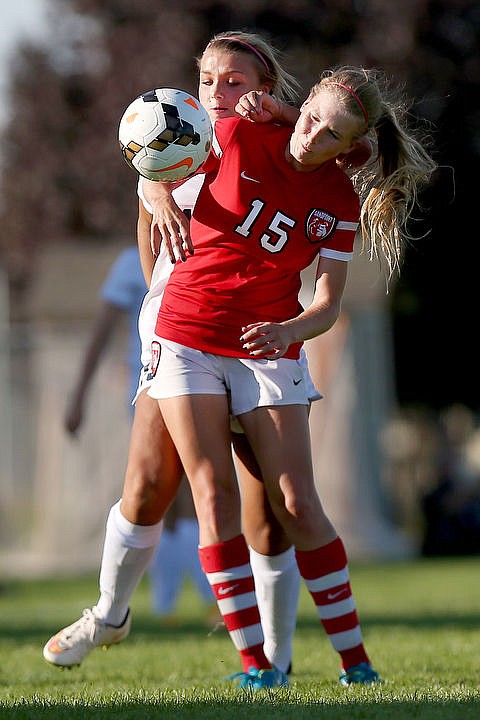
x=247, y=177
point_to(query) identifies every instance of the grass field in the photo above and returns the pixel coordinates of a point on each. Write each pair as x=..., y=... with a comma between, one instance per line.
x=421, y=624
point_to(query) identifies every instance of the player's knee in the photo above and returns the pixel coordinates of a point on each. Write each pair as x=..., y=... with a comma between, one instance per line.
x=268, y=538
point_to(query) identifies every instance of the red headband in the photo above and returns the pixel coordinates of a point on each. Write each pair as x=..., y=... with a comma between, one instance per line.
x=247, y=45
x=354, y=95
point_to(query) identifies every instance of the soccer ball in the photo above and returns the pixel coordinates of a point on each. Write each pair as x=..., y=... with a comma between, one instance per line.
x=165, y=134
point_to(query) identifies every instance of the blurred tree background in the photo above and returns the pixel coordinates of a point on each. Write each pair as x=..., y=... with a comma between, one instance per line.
x=63, y=177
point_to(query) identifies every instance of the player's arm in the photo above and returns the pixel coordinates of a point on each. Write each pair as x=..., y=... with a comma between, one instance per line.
x=272, y=340
x=107, y=318
x=261, y=107
x=322, y=313
x=169, y=224
x=147, y=257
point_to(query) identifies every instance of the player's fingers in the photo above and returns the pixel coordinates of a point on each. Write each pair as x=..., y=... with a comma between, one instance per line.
x=257, y=101
x=179, y=247
x=188, y=243
x=166, y=238
x=184, y=233
x=155, y=239
x=249, y=104
x=250, y=331
x=278, y=353
x=261, y=344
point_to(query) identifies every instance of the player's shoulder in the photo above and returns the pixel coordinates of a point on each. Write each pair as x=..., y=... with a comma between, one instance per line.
x=334, y=190
x=226, y=127
x=339, y=179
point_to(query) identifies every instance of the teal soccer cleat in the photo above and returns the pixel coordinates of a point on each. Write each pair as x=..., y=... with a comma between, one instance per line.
x=362, y=674
x=256, y=679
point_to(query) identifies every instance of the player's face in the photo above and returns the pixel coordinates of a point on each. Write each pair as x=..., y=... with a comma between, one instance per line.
x=224, y=78
x=322, y=131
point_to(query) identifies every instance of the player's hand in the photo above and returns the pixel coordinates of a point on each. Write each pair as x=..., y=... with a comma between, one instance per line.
x=257, y=106
x=266, y=340
x=171, y=227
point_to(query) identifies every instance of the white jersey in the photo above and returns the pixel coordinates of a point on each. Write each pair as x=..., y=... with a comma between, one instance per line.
x=185, y=196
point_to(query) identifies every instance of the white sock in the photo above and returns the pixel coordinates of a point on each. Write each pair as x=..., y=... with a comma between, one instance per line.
x=127, y=552
x=277, y=586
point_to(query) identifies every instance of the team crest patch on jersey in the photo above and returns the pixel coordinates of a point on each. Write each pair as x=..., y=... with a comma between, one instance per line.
x=320, y=225
x=155, y=348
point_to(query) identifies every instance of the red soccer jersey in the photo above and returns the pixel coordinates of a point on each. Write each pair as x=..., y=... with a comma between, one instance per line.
x=256, y=224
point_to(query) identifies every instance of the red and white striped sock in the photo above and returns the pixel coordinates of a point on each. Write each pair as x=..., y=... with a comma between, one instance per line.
x=227, y=567
x=325, y=571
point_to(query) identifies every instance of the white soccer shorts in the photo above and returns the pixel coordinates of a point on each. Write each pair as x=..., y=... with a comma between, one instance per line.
x=249, y=383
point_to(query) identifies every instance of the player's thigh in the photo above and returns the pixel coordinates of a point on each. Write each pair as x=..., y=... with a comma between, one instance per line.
x=280, y=438
x=200, y=427
x=261, y=528
x=153, y=469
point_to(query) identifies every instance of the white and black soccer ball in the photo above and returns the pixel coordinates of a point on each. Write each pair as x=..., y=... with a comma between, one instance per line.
x=165, y=134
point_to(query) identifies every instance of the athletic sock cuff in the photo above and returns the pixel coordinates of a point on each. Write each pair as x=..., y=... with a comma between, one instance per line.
x=134, y=536
x=224, y=555
x=279, y=562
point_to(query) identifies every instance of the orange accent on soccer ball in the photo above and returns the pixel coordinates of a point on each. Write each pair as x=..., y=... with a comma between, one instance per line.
x=131, y=118
x=186, y=161
x=191, y=101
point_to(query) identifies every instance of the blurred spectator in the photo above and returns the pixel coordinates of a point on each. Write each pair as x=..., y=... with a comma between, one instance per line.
x=451, y=508
x=122, y=293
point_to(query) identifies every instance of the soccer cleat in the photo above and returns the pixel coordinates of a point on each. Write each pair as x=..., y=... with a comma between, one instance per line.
x=256, y=679
x=72, y=644
x=362, y=674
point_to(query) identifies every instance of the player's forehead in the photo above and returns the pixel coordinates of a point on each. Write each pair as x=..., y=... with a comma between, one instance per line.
x=325, y=99
x=216, y=62
x=326, y=103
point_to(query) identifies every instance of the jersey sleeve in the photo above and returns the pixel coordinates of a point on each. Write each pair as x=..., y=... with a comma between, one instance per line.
x=341, y=246
x=343, y=221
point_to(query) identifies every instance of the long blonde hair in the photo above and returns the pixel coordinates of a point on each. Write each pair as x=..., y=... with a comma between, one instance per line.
x=389, y=185
x=267, y=59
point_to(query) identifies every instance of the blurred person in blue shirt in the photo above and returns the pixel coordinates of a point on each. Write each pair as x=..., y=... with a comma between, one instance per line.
x=121, y=293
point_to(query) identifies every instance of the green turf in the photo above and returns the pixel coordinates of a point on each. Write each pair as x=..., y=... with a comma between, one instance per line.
x=421, y=624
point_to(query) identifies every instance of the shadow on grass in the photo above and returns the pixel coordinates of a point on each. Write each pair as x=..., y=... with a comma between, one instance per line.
x=415, y=622
x=144, y=626
x=271, y=705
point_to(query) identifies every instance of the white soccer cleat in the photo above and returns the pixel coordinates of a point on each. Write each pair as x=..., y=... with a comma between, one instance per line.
x=72, y=644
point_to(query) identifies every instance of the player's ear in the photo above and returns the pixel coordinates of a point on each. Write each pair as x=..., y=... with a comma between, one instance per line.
x=359, y=152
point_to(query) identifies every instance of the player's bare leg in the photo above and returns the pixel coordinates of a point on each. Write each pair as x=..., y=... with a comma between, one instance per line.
x=281, y=441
